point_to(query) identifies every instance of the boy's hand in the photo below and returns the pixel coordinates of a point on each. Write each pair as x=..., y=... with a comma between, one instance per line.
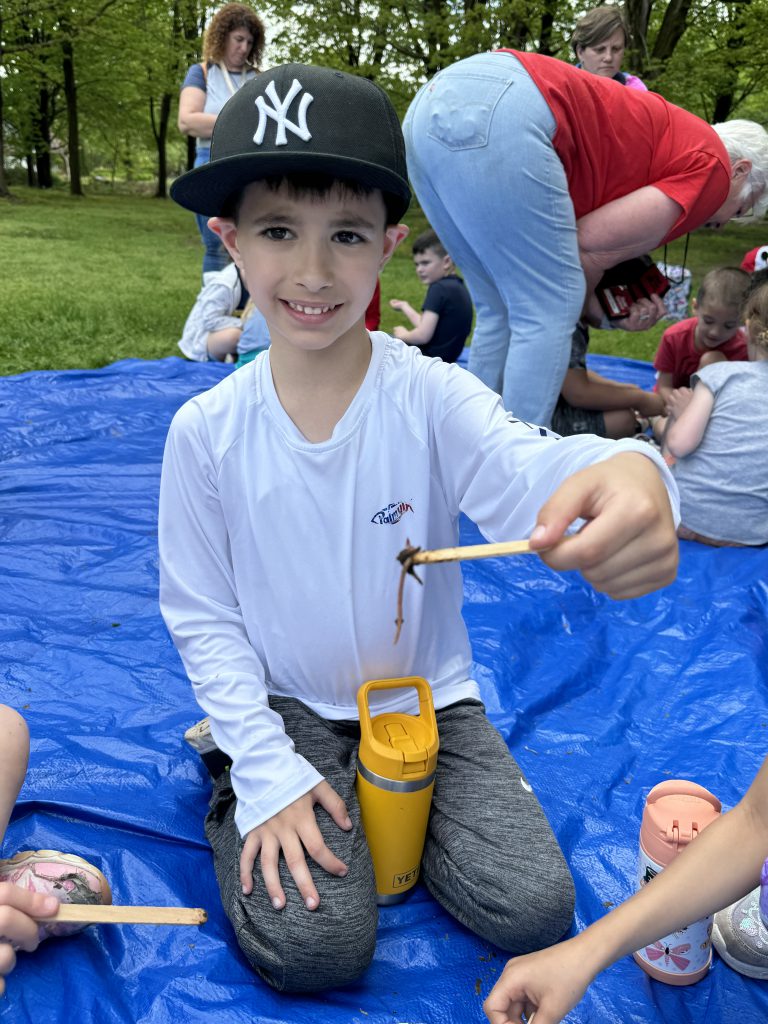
x=628, y=547
x=549, y=983
x=397, y=304
x=18, y=927
x=293, y=831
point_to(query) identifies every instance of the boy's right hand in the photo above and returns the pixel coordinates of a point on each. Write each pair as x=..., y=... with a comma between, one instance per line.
x=397, y=303
x=293, y=831
x=18, y=927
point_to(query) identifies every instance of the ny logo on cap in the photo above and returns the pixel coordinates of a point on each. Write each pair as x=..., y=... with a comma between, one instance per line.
x=279, y=113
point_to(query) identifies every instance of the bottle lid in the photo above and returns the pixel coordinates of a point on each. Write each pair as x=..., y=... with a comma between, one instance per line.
x=396, y=745
x=676, y=811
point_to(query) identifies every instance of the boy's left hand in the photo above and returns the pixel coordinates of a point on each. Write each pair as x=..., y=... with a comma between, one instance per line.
x=628, y=547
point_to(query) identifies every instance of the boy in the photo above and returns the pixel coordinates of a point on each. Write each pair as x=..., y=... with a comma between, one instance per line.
x=279, y=574
x=591, y=404
x=443, y=326
x=222, y=324
x=712, y=336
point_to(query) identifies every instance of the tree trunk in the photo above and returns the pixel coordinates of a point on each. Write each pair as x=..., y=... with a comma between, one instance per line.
x=638, y=15
x=43, y=170
x=73, y=126
x=436, y=21
x=671, y=32
x=723, y=107
x=725, y=99
x=161, y=140
x=547, y=24
x=43, y=139
x=4, y=189
x=514, y=33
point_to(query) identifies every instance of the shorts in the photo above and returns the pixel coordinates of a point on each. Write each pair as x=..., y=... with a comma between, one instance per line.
x=566, y=420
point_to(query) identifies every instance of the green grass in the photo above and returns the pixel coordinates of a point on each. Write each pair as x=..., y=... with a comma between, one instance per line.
x=85, y=282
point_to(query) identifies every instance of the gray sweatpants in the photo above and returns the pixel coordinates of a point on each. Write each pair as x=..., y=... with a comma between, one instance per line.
x=490, y=857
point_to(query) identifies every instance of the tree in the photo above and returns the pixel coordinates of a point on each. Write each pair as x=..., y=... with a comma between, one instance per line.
x=103, y=76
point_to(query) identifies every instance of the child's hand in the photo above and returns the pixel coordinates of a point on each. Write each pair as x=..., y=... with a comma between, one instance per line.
x=678, y=400
x=18, y=927
x=399, y=332
x=650, y=404
x=629, y=546
x=549, y=983
x=397, y=303
x=294, y=830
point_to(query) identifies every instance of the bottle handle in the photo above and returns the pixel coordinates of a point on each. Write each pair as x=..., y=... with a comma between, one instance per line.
x=418, y=683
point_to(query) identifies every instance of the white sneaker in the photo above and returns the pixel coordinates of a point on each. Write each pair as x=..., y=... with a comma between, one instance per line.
x=741, y=938
x=198, y=736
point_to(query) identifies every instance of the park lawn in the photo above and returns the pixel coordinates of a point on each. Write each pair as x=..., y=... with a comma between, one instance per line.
x=88, y=281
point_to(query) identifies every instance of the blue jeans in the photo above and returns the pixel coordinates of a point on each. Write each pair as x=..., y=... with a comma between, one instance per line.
x=480, y=157
x=215, y=256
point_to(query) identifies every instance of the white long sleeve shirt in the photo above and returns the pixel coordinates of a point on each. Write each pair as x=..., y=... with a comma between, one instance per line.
x=278, y=571
x=213, y=310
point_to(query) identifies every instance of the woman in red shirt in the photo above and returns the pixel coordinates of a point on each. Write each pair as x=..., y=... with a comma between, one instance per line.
x=539, y=177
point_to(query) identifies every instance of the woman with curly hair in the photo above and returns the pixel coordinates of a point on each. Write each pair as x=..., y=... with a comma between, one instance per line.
x=232, y=50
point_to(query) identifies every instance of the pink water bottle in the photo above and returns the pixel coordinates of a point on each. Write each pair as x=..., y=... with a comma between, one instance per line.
x=675, y=813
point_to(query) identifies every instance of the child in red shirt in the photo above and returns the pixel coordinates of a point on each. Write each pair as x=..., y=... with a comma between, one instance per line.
x=712, y=336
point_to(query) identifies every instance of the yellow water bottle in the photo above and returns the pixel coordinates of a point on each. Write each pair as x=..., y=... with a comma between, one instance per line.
x=395, y=778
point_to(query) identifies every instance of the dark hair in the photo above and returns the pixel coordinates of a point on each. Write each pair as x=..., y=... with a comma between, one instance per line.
x=428, y=240
x=726, y=285
x=226, y=20
x=597, y=26
x=316, y=185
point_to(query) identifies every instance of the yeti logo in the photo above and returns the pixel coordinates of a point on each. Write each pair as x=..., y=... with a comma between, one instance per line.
x=279, y=113
x=405, y=878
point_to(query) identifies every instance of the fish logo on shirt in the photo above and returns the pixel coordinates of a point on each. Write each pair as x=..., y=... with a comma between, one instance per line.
x=392, y=514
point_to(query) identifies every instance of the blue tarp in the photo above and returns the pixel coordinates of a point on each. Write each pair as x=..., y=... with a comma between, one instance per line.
x=599, y=701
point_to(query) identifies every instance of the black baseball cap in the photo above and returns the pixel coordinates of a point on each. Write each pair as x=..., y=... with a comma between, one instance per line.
x=300, y=118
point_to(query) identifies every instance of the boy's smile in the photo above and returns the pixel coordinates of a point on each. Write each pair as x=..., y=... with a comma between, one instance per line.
x=310, y=261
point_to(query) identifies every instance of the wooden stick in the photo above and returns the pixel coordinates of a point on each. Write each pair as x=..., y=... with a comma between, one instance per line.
x=86, y=913
x=411, y=556
x=470, y=551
